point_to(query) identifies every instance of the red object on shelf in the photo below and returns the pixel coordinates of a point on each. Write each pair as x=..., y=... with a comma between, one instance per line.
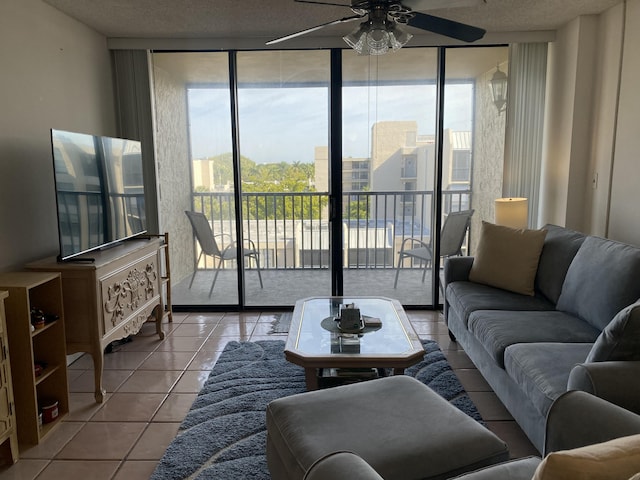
x=50, y=412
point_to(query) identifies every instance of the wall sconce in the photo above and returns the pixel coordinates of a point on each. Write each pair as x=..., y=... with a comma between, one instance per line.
x=499, y=89
x=512, y=212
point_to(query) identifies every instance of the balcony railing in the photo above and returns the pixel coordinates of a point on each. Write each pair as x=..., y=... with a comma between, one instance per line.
x=291, y=230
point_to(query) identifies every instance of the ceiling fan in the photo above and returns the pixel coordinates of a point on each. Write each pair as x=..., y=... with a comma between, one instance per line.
x=381, y=31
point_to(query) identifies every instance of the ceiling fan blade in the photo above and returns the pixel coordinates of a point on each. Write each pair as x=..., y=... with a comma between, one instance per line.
x=313, y=29
x=423, y=5
x=448, y=28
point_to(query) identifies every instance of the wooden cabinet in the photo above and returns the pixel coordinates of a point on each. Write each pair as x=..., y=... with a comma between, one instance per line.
x=165, y=275
x=44, y=346
x=8, y=431
x=108, y=295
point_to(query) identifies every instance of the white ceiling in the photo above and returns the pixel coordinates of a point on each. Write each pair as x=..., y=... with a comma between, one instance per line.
x=267, y=19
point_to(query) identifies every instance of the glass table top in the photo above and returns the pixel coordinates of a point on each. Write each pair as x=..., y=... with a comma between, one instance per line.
x=315, y=331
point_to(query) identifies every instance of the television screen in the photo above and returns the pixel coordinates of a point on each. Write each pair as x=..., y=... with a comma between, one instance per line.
x=99, y=191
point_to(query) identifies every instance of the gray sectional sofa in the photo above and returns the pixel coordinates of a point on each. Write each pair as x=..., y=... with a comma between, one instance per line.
x=580, y=330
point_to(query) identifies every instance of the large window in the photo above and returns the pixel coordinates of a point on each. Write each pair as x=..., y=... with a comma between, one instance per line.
x=252, y=132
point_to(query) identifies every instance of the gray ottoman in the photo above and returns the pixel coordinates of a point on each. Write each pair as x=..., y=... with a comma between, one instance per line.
x=399, y=426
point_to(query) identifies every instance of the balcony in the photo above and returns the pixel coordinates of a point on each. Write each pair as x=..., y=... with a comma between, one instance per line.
x=291, y=232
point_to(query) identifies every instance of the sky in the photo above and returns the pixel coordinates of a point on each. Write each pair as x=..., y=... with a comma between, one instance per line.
x=286, y=124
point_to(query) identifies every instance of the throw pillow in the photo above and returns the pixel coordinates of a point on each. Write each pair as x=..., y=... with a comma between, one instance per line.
x=507, y=258
x=612, y=460
x=620, y=340
x=602, y=280
x=560, y=246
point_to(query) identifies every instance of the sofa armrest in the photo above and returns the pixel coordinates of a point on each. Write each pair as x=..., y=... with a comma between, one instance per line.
x=341, y=465
x=516, y=469
x=456, y=269
x=577, y=419
x=616, y=382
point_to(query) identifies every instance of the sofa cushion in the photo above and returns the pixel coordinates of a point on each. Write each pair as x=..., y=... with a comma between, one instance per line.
x=613, y=460
x=542, y=369
x=467, y=297
x=602, y=279
x=507, y=258
x=496, y=330
x=620, y=340
x=560, y=246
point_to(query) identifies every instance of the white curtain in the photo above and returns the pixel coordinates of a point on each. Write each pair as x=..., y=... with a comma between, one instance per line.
x=135, y=118
x=525, y=123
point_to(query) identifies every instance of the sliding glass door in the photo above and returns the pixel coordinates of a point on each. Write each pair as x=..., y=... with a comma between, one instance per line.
x=388, y=172
x=195, y=159
x=283, y=138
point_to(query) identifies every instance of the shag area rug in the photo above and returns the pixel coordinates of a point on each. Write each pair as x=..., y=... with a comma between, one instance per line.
x=224, y=434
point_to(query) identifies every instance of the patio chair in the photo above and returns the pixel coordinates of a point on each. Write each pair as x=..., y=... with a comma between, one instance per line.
x=209, y=246
x=451, y=240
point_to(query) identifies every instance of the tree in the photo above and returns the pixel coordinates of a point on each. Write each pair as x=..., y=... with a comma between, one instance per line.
x=357, y=209
x=281, y=180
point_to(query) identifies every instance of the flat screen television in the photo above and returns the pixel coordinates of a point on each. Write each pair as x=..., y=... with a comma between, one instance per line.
x=99, y=191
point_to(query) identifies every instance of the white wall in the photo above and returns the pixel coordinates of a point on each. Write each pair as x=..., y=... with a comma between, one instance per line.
x=561, y=79
x=174, y=177
x=624, y=216
x=609, y=41
x=488, y=152
x=568, y=123
x=584, y=96
x=593, y=112
x=56, y=73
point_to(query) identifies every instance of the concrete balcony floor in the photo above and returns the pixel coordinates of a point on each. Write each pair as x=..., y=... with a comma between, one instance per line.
x=283, y=287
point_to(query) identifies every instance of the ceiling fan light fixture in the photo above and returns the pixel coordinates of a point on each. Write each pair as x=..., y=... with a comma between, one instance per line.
x=398, y=38
x=378, y=41
x=377, y=38
x=357, y=39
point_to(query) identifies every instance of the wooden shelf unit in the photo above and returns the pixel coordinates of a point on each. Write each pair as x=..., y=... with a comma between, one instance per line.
x=8, y=430
x=43, y=291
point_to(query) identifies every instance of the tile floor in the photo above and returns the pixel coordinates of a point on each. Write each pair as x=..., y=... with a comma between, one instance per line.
x=151, y=384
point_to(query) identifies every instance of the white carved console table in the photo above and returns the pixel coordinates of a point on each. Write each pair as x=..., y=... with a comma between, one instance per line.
x=108, y=295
